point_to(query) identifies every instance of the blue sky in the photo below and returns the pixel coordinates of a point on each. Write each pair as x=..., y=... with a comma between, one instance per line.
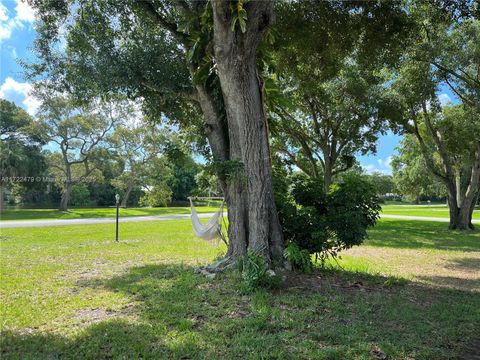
x=17, y=33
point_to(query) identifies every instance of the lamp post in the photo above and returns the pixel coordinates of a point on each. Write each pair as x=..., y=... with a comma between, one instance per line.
x=117, y=202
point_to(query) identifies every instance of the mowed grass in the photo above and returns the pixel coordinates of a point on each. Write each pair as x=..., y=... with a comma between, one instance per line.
x=72, y=293
x=440, y=211
x=44, y=214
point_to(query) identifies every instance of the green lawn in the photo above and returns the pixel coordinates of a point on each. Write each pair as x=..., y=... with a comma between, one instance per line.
x=440, y=211
x=412, y=292
x=42, y=214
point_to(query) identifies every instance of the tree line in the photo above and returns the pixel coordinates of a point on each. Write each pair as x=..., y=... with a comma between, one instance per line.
x=83, y=156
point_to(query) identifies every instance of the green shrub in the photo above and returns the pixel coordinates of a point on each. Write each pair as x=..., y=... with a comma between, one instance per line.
x=324, y=224
x=300, y=259
x=80, y=195
x=159, y=196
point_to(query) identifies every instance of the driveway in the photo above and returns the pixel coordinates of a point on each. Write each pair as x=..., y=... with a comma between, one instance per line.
x=42, y=223
x=421, y=218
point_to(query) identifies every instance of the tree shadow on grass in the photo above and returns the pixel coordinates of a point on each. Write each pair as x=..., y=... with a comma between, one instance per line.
x=469, y=264
x=334, y=314
x=453, y=282
x=422, y=235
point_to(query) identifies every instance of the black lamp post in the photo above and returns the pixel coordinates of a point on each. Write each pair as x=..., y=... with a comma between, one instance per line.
x=117, y=202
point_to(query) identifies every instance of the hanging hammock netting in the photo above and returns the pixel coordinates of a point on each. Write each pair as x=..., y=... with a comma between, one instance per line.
x=212, y=229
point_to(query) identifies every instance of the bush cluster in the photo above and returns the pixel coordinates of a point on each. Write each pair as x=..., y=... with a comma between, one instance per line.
x=323, y=224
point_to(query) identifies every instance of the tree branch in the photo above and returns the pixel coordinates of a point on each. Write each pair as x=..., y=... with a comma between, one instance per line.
x=150, y=10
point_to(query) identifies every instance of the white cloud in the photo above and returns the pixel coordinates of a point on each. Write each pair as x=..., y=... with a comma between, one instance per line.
x=386, y=163
x=5, y=27
x=3, y=12
x=369, y=168
x=13, y=90
x=444, y=99
x=23, y=14
x=384, y=168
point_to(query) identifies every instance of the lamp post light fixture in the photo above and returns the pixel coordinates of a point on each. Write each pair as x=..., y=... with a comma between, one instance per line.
x=117, y=203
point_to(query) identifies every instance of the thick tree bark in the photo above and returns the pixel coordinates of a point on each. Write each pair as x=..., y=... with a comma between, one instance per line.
x=235, y=55
x=65, y=197
x=235, y=196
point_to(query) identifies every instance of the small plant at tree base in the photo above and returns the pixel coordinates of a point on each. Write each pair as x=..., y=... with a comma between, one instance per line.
x=300, y=259
x=255, y=274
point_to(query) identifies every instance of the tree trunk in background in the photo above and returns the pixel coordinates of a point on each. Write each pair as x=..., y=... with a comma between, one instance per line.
x=461, y=217
x=2, y=205
x=65, y=197
x=460, y=199
x=458, y=187
x=461, y=214
x=328, y=173
x=127, y=195
x=256, y=225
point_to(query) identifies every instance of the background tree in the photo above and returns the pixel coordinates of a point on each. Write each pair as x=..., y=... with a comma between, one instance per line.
x=207, y=183
x=21, y=158
x=79, y=134
x=156, y=190
x=416, y=84
x=331, y=122
x=137, y=146
x=183, y=179
x=102, y=193
x=411, y=175
x=383, y=184
x=449, y=141
x=328, y=57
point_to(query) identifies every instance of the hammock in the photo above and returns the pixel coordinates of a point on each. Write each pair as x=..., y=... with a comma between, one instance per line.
x=211, y=230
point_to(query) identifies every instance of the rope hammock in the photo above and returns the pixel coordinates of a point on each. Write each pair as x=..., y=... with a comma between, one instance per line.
x=212, y=229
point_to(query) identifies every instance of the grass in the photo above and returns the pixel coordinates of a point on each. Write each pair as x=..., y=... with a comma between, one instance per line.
x=42, y=214
x=74, y=294
x=440, y=211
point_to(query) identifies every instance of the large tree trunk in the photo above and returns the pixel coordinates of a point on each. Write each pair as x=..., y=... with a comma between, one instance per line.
x=65, y=197
x=235, y=196
x=257, y=226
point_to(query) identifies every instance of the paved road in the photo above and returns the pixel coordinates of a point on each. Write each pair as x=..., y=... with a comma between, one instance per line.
x=42, y=223
x=421, y=218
